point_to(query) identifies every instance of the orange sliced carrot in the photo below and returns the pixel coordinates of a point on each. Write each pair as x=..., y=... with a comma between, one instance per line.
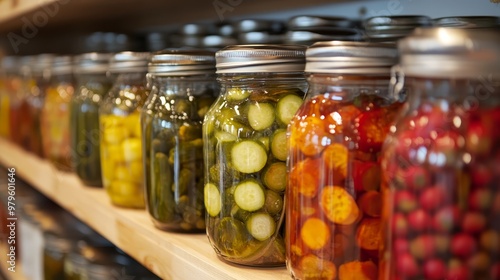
x=308, y=135
x=305, y=176
x=315, y=233
x=368, y=235
x=358, y=271
x=335, y=157
x=338, y=205
x=311, y=267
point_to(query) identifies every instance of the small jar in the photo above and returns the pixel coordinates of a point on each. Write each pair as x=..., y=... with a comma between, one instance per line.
x=441, y=210
x=183, y=90
x=92, y=86
x=56, y=248
x=393, y=28
x=55, y=114
x=244, y=136
x=333, y=199
x=120, y=130
x=9, y=85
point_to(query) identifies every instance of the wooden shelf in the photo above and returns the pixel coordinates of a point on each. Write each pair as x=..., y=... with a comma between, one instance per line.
x=169, y=255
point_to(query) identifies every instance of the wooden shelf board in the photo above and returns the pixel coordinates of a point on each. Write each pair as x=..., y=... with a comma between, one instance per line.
x=169, y=255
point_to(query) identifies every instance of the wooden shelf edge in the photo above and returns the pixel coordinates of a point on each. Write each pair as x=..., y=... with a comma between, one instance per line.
x=169, y=255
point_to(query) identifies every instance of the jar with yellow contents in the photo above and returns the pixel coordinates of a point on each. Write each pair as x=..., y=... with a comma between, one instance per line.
x=120, y=130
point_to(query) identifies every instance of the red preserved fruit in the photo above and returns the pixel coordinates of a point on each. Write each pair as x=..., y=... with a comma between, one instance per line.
x=434, y=269
x=366, y=175
x=442, y=243
x=432, y=198
x=415, y=178
x=371, y=203
x=473, y=222
x=335, y=157
x=457, y=270
x=358, y=271
x=445, y=150
x=446, y=219
x=478, y=139
x=479, y=262
x=405, y=201
x=341, y=120
x=423, y=247
x=495, y=271
x=368, y=235
x=400, y=225
x=427, y=121
x=481, y=175
x=401, y=246
x=481, y=199
x=306, y=178
x=419, y=220
x=490, y=241
x=308, y=135
x=407, y=266
x=463, y=245
x=371, y=130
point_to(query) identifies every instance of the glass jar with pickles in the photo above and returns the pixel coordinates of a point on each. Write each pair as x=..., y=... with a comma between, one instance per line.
x=333, y=199
x=183, y=90
x=120, y=130
x=244, y=136
x=92, y=86
x=55, y=114
x=441, y=210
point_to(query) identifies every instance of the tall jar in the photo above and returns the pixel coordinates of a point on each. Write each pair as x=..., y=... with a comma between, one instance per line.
x=441, y=210
x=92, y=86
x=184, y=86
x=120, y=130
x=55, y=114
x=10, y=82
x=244, y=136
x=333, y=199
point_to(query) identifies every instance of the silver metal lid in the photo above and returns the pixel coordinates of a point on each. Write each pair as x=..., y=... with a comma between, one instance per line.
x=251, y=25
x=261, y=37
x=182, y=62
x=341, y=57
x=305, y=22
x=394, y=27
x=468, y=22
x=323, y=34
x=450, y=53
x=260, y=59
x=217, y=41
x=226, y=29
x=129, y=62
x=198, y=29
x=62, y=64
x=92, y=63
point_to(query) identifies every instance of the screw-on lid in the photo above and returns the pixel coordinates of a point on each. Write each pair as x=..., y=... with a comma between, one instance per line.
x=182, y=62
x=341, y=57
x=468, y=22
x=129, y=62
x=261, y=37
x=92, y=63
x=393, y=27
x=260, y=59
x=217, y=41
x=320, y=34
x=251, y=25
x=305, y=22
x=197, y=29
x=62, y=64
x=450, y=53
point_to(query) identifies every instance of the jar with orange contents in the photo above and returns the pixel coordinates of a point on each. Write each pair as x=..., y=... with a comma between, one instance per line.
x=10, y=82
x=333, y=200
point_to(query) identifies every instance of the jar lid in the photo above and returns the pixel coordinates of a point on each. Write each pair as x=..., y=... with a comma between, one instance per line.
x=468, y=22
x=393, y=27
x=182, y=62
x=217, y=41
x=305, y=22
x=92, y=63
x=250, y=25
x=450, y=52
x=260, y=58
x=344, y=57
x=198, y=29
x=129, y=62
x=62, y=64
x=260, y=37
x=320, y=34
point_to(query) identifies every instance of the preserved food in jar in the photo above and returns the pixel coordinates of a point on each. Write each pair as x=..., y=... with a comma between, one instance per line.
x=9, y=85
x=91, y=88
x=333, y=200
x=441, y=217
x=183, y=91
x=20, y=115
x=55, y=114
x=120, y=130
x=245, y=150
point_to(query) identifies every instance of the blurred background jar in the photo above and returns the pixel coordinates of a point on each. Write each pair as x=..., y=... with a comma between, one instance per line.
x=55, y=116
x=120, y=130
x=21, y=117
x=244, y=136
x=184, y=88
x=333, y=199
x=9, y=85
x=441, y=216
x=471, y=22
x=92, y=86
x=393, y=28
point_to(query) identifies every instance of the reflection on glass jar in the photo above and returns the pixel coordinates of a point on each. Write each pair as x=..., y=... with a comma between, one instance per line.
x=244, y=136
x=333, y=205
x=183, y=90
x=91, y=88
x=55, y=114
x=441, y=210
x=120, y=130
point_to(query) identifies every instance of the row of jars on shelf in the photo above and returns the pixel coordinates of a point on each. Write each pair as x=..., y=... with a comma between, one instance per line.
x=51, y=244
x=272, y=176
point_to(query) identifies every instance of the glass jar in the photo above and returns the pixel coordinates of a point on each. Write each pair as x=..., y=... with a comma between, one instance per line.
x=393, y=28
x=21, y=125
x=183, y=91
x=244, y=137
x=120, y=130
x=55, y=114
x=56, y=247
x=9, y=85
x=92, y=86
x=468, y=22
x=333, y=199
x=441, y=210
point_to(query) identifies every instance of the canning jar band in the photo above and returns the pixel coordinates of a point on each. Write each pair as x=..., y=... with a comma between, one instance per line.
x=397, y=82
x=263, y=67
x=181, y=70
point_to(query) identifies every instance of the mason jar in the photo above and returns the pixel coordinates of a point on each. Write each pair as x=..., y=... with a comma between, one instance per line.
x=55, y=114
x=393, y=28
x=20, y=115
x=244, y=137
x=441, y=209
x=333, y=199
x=120, y=130
x=184, y=88
x=92, y=86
